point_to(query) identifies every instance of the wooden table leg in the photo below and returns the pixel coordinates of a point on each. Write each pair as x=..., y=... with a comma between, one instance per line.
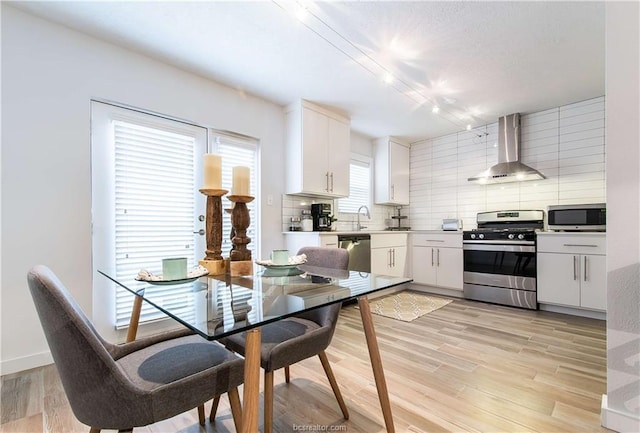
x=251, y=394
x=376, y=362
x=135, y=319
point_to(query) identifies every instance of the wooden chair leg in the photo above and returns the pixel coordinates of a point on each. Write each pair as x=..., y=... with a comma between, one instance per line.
x=94, y=430
x=287, y=377
x=201, y=414
x=334, y=385
x=268, y=402
x=236, y=408
x=214, y=409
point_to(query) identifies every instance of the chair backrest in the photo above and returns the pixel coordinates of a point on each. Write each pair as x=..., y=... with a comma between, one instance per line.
x=325, y=257
x=95, y=386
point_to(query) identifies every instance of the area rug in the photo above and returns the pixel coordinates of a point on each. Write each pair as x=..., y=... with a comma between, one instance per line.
x=406, y=306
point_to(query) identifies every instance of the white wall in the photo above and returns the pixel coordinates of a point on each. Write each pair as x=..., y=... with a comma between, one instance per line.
x=621, y=406
x=49, y=75
x=566, y=144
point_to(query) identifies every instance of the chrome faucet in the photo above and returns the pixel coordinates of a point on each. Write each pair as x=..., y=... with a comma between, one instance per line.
x=358, y=225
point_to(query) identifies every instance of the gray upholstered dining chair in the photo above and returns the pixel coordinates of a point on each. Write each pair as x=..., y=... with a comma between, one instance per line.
x=300, y=337
x=134, y=384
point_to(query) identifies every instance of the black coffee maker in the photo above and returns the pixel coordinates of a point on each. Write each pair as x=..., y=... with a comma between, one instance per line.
x=320, y=212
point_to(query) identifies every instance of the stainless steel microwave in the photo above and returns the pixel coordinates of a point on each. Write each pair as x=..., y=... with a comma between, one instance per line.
x=578, y=217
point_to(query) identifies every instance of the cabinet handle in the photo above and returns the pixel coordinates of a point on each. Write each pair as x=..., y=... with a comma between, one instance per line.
x=438, y=257
x=575, y=272
x=585, y=268
x=393, y=253
x=393, y=192
x=331, y=181
x=326, y=175
x=581, y=245
x=431, y=257
x=389, y=253
x=434, y=240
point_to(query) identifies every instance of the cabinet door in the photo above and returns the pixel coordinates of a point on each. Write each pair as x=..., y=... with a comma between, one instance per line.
x=338, y=157
x=399, y=173
x=424, y=267
x=330, y=241
x=559, y=279
x=315, y=130
x=450, y=267
x=593, y=272
x=398, y=261
x=381, y=261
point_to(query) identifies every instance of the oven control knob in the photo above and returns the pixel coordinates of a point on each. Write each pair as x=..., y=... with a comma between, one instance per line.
x=481, y=236
x=520, y=236
x=473, y=235
x=511, y=236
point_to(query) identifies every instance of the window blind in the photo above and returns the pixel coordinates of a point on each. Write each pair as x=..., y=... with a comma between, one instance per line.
x=359, y=187
x=154, y=209
x=237, y=150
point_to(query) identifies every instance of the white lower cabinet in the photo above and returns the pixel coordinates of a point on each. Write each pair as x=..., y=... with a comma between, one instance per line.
x=389, y=254
x=437, y=260
x=572, y=270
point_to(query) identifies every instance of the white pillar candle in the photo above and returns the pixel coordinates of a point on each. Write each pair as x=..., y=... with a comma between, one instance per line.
x=212, y=171
x=240, y=181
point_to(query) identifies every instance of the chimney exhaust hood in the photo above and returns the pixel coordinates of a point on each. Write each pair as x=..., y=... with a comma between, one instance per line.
x=509, y=168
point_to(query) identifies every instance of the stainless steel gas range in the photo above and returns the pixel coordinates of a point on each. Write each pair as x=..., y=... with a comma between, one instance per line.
x=500, y=258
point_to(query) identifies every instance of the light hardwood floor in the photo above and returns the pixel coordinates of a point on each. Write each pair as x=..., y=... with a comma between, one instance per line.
x=467, y=367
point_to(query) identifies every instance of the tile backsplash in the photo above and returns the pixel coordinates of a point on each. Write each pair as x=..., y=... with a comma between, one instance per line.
x=567, y=144
x=292, y=206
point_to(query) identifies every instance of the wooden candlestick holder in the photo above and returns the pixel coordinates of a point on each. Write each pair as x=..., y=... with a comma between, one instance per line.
x=213, y=260
x=241, y=263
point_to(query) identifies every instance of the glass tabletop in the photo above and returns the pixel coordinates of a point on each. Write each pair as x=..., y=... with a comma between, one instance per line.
x=218, y=306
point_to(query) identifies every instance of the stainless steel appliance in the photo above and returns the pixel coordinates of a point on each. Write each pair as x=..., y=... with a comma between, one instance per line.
x=509, y=167
x=321, y=214
x=359, y=248
x=451, y=224
x=578, y=217
x=500, y=258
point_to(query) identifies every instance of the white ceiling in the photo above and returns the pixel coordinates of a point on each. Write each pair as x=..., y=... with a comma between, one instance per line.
x=476, y=60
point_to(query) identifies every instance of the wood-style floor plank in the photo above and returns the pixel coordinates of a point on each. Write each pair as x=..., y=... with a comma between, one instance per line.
x=467, y=367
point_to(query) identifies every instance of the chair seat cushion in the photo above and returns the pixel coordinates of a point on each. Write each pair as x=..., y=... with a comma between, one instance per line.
x=195, y=369
x=285, y=342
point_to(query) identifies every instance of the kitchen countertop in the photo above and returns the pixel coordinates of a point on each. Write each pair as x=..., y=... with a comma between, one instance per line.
x=377, y=232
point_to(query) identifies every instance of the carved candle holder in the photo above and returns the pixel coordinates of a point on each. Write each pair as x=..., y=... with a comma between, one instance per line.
x=213, y=260
x=240, y=256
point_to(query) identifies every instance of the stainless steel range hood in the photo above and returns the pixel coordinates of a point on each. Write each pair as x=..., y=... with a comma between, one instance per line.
x=509, y=168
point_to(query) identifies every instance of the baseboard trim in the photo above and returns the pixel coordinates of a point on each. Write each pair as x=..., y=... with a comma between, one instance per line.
x=573, y=311
x=16, y=365
x=618, y=421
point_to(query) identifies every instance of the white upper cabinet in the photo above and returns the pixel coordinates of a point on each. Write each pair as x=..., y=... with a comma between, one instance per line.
x=391, y=172
x=317, y=151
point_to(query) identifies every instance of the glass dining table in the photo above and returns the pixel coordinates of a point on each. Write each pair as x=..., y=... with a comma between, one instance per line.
x=217, y=306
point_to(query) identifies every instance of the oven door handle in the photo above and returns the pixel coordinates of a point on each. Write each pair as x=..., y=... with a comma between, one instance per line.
x=494, y=247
